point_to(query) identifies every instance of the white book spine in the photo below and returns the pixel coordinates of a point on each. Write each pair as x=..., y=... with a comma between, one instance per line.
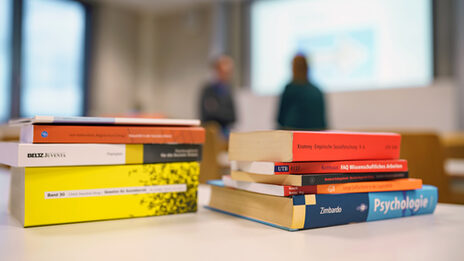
x=262, y=188
x=41, y=155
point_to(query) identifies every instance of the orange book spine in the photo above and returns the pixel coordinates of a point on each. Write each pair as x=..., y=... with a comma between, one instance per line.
x=331, y=146
x=116, y=134
x=370, y=186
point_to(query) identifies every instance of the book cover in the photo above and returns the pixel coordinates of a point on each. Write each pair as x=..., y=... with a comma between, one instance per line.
x=313, y=211
x=352, y=187
x=55, y=195
x=290, y=146
x=103, y=121
x=360, y=166
x=316, y=179
x=111, y=134
x=46, y=154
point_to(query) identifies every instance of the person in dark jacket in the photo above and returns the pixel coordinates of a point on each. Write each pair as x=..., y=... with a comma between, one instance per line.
x=216, y=102
x=302, y=103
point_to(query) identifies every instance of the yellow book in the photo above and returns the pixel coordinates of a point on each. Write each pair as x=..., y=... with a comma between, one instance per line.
x=55, y=195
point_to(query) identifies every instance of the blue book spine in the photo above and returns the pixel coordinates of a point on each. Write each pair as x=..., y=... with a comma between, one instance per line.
x=337, y=209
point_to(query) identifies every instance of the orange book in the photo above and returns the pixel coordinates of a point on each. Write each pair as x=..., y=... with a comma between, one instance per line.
x=116, y=134
x=353, y=187
x=290, y=146
x=370, y=186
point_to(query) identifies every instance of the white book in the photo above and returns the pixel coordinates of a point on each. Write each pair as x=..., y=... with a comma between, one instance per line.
x=40, y=155
x=269, y=189
x=104, y=121
x=258, y=167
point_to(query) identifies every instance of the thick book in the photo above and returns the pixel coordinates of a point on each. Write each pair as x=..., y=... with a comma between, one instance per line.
x=110, y=134
x=289, y=146
x=312, y=211
x=352, y=187
x=40, y=155
x=56, y=195
x=316, y=179
x=360, y=166
x=103, y=121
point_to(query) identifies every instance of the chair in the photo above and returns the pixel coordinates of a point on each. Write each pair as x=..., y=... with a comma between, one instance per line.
x=210, y=167
x=425, y=154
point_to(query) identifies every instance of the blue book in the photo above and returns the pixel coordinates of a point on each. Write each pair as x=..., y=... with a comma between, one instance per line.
x=312, y=211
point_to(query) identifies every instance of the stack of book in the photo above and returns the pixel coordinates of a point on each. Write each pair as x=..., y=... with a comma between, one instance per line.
x=75, y=169
x=297, y=180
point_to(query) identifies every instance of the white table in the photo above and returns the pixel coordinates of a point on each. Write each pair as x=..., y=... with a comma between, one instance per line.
x=208, y=235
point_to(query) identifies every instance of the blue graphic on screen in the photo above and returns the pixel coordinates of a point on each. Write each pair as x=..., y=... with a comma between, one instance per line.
x=352, y=44
x=340, y=57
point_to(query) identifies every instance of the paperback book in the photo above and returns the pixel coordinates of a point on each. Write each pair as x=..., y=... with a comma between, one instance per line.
x=353, y=187
x=56, y=195
x=37, y=155
x=312, y=211
x=291, y=146
x=360, y=166
x=111, y=134
x=316, y=179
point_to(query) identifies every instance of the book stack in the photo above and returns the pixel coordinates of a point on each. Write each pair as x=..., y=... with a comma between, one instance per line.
x=75, y=169
x=298, y=180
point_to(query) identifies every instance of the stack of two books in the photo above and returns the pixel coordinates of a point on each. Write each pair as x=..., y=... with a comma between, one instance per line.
x=297, y=180
x=74, y=169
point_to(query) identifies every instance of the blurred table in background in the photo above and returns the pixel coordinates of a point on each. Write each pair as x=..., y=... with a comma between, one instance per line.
x=209, y=235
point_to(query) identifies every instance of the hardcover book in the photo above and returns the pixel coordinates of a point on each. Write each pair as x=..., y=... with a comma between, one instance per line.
x=312, y=211
x=360, y=166
x=37, y=155
x=111, y=134
x=353, y=187
x=56, y=195
x=315, y=179
x=289, y=146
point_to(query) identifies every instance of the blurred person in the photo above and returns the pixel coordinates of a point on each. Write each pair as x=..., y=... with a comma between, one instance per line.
x=302, y=103
x=217, y=102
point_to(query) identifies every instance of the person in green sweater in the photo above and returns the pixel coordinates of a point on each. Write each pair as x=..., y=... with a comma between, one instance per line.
x=302, y=104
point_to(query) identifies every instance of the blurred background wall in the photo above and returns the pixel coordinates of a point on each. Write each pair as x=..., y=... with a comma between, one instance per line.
x=154, y=57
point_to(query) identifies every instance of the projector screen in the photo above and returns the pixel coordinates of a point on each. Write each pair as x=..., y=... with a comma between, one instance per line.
x=350, y=44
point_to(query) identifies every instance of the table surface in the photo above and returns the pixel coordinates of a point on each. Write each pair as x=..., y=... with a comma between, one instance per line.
x=208, y=235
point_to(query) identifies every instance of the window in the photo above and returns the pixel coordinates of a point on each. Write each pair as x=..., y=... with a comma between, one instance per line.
x=5, y=44
x=43, y=50
x=53, y=58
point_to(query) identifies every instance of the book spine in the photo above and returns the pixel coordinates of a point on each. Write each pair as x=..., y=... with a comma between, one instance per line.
x=298, y=190
x=339, y=146
x=330, y=210
x=112, y=134
x=370, y=186
x=321, y=179
x=57, y=195
x=37, y=155
x=341, y=167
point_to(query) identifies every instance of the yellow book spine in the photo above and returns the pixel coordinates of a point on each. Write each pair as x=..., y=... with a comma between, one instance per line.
x=55, y=195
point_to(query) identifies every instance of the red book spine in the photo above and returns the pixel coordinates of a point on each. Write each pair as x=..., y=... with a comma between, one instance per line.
x=331, y=146
x=299, y=190
x=364, y=166
x=116, y=134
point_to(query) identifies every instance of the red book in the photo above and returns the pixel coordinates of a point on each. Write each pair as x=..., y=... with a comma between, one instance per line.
x=290, y=146
x=318, y=167
x=115, y=134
